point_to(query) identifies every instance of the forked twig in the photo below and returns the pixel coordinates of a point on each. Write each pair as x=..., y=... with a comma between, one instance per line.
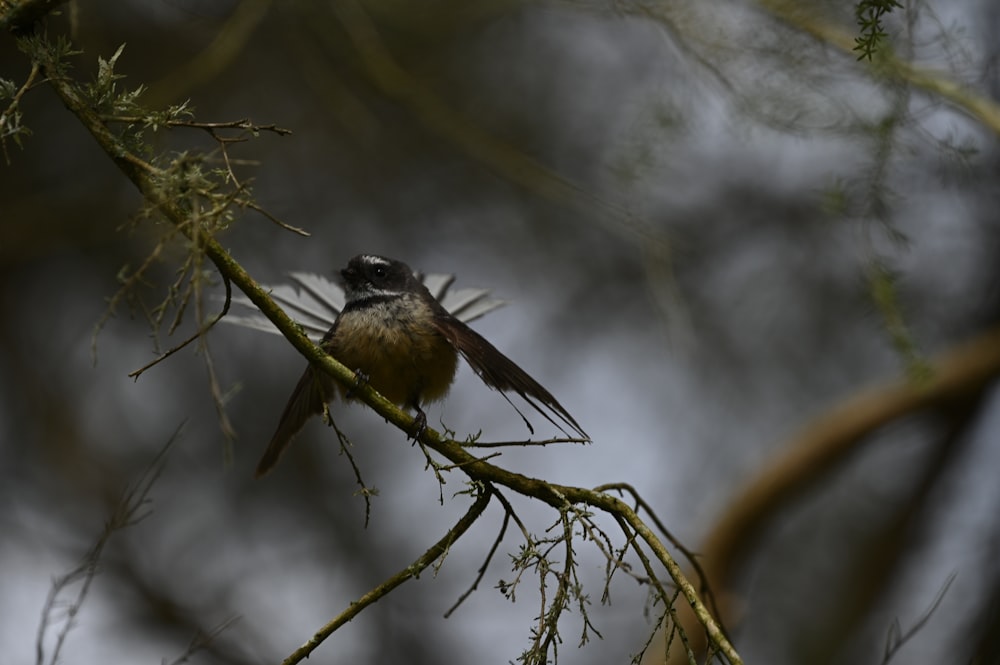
x=895, y=639
x=482, y=569
x=345, y=448
x=127, y=512
x=705, y=587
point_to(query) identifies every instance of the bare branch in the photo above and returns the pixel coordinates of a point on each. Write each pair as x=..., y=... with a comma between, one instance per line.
x=202, y=640
x=895, y=640
x=345, y=449
x=130, y=509
x=482, y=569
x=411, y=571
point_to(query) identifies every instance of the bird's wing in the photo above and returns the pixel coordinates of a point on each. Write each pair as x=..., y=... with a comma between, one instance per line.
x=500, y=372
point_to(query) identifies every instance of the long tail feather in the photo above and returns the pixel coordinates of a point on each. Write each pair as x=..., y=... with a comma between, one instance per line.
x=306, y=401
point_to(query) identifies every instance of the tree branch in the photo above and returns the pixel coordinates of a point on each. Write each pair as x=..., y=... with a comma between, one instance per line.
x=147, y=178
x=802, y=18
x=830, y=438
x=434, y=552
x=19, y=16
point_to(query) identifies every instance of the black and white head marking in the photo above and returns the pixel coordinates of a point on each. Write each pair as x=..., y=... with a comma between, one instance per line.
x=369, y=277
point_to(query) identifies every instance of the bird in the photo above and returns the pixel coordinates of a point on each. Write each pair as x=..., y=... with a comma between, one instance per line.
x=315, y=302
x=403, y=343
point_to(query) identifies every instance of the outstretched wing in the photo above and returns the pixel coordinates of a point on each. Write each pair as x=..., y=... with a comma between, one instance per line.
x=500, y=372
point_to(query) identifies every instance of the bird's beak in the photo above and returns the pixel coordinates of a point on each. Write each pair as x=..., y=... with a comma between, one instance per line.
x=348, y=275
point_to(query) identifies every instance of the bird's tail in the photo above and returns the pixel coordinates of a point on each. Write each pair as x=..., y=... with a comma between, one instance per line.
x=306, y=401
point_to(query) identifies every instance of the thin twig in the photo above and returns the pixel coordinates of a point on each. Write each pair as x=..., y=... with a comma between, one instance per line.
x=407, y=573
x=202, y=640
x=288, y=227
x=482, y=569
x=243, y=124
x=128, y=511
x=895, y=641
x=669, y=600
x=215, y=387
x=705, y=586
x=345, y=449
x=225, y=310
x=527, y=442
x=12, y=114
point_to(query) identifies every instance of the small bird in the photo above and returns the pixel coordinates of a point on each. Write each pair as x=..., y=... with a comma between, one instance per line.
x=400, y=340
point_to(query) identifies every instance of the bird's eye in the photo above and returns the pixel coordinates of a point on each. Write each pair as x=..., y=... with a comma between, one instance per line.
x=379, y=271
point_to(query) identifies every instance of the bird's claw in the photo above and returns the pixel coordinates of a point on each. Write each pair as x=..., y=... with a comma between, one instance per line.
x=419, y=425
x=360, y=379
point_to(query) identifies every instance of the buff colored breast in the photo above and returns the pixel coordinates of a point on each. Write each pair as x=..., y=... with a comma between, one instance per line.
x=397, y=346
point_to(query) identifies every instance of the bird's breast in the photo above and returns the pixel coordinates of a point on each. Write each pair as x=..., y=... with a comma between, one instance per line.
x=396, y=344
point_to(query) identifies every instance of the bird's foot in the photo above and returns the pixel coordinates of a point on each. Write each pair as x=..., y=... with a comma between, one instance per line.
x=360, y=379
x=419, y=425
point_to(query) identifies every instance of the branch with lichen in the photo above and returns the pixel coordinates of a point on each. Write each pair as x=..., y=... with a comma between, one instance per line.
x=197, y=197
x=198, y=217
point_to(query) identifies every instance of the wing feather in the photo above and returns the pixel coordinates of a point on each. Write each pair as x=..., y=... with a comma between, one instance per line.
x=500, y=372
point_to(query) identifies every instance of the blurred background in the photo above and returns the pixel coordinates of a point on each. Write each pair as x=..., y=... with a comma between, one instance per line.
x=695, y=211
